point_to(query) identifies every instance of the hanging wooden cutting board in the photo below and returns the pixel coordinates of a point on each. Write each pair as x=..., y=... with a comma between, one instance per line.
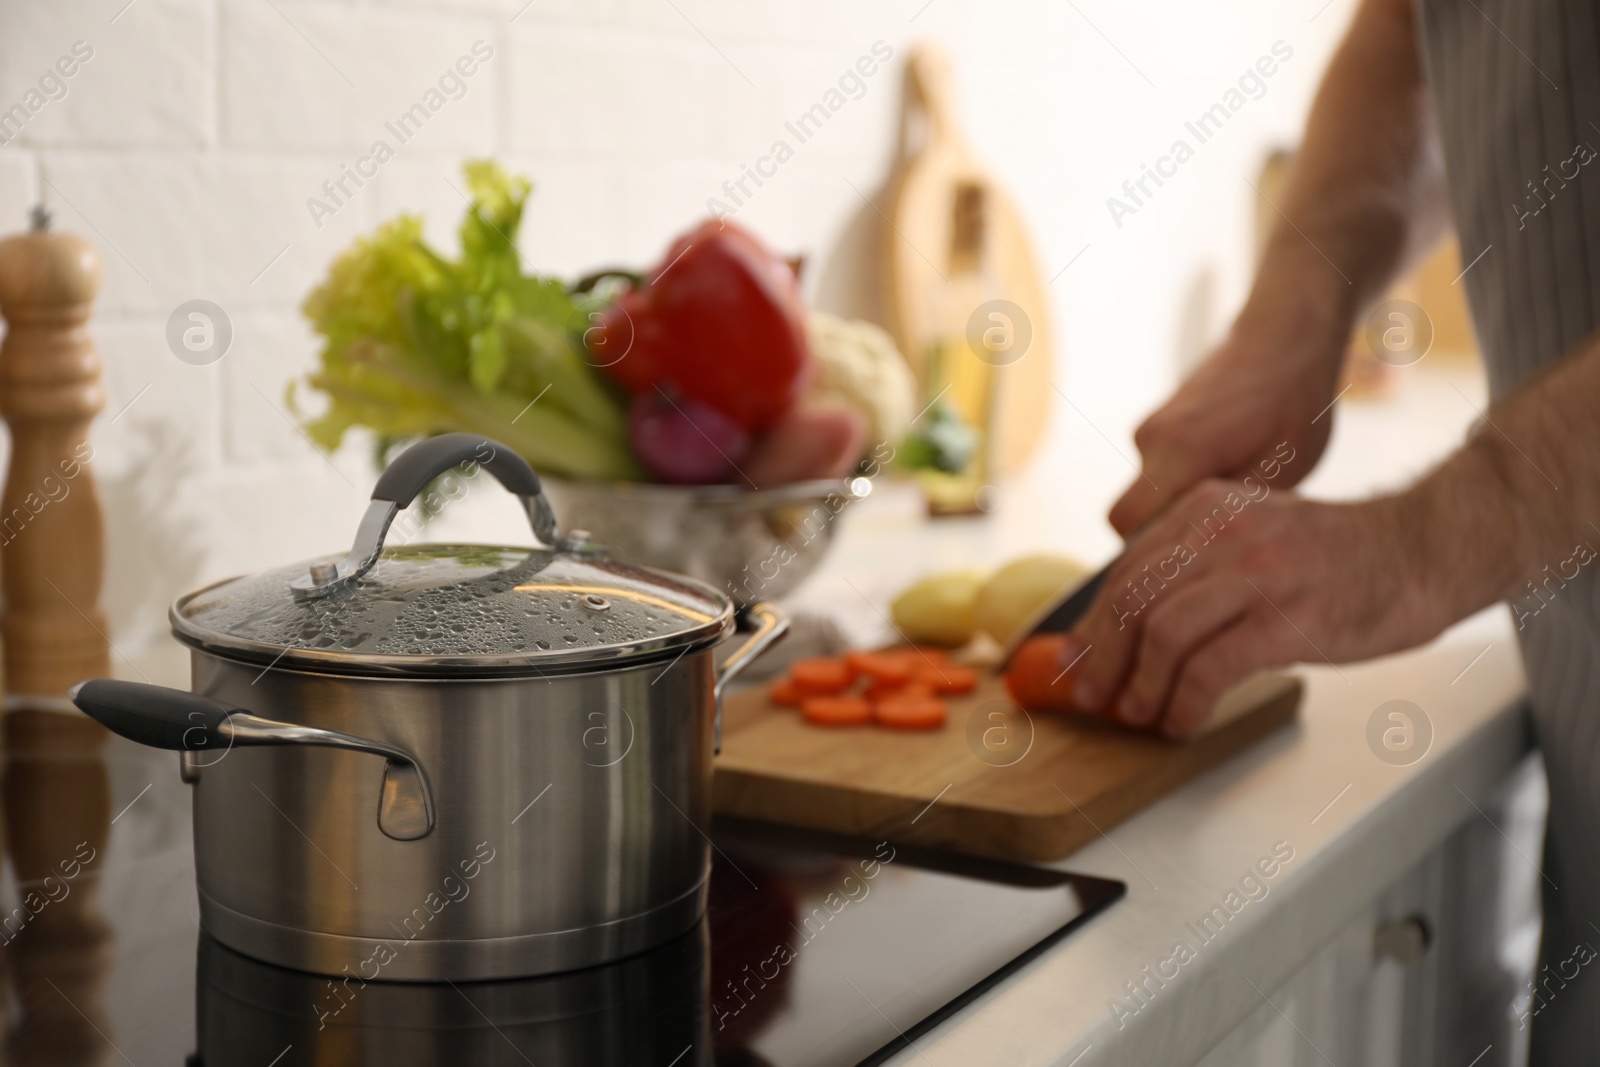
x=934, y=160
x=1077, y=778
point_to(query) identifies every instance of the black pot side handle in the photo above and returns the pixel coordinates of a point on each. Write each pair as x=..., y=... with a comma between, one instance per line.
x=159, y=717
x=410, y=473
x=153, y=715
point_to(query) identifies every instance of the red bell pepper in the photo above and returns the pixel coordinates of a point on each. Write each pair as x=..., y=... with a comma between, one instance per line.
x=720, y=320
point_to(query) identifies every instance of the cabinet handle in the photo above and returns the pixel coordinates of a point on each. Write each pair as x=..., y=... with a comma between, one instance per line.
x=1403, y=940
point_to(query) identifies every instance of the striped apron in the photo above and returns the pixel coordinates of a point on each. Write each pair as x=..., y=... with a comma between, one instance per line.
x=1515, y=86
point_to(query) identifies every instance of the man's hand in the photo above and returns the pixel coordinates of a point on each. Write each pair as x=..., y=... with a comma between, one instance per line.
x=1237, y=577
x=1283, y=579
x=1266, y=386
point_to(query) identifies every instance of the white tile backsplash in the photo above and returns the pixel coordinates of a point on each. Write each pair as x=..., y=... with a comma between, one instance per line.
x=297, y=76
x=147, y=79
x=188, y=146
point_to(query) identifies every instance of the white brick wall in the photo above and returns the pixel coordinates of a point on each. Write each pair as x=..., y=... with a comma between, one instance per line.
x=150, y=80
x=187, y=146
x=305, y=77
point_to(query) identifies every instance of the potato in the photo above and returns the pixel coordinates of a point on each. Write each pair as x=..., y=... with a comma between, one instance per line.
x=939, y=609
x=1011, y=598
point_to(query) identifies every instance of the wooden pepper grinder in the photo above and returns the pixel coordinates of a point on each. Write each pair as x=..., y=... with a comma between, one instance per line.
x=52, y=535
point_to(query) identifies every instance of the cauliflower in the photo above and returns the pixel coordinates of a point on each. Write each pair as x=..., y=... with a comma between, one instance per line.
x=857, y=366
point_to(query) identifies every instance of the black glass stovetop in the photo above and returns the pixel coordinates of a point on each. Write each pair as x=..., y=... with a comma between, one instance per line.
x=815, y=949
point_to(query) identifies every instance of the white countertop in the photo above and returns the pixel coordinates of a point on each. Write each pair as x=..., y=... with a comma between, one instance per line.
x=1354, y=822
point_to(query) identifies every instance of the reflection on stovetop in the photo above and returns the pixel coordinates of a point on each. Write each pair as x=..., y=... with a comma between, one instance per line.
x=814, y=950
x=57, y=943
x=648, y=1009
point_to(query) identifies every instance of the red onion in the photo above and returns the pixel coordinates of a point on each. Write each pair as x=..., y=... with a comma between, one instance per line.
x=683, y=441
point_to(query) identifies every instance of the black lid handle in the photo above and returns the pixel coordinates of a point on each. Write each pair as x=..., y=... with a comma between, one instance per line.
x=410, y=472
x=406, y=476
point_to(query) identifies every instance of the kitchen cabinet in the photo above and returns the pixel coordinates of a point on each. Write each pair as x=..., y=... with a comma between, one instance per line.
x=1354, y=1002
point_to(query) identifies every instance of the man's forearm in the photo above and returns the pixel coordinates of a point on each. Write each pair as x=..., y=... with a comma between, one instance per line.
x=1365, y=194
x=1363, y=199
x=1520, y=503
x=1522, y=496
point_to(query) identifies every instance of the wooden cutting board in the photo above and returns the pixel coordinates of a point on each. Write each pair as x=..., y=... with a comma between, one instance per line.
x=933, y=159
x=964, y=787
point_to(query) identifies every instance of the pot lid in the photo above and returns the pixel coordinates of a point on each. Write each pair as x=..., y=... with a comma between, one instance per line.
x=453, y=610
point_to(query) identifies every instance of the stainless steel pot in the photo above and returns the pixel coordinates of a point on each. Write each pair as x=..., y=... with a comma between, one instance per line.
x=433, y=762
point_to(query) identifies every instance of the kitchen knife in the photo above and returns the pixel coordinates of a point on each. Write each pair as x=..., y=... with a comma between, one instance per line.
x=1062, y=614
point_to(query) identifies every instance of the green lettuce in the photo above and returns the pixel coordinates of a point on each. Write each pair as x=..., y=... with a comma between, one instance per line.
x=415, y=344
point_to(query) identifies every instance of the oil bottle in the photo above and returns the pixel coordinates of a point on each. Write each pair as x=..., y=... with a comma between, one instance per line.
x=959, y=382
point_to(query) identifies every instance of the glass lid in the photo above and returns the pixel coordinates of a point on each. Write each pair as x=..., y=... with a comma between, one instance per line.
x=451, y=610
x=455, y=608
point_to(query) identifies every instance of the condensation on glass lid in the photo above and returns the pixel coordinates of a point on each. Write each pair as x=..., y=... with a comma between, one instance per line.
x=453, y=601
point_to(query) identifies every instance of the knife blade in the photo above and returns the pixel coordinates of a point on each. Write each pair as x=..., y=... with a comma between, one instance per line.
x=1062, y=614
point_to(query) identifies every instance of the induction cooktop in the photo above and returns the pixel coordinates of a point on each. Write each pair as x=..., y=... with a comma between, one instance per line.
x=815, y=950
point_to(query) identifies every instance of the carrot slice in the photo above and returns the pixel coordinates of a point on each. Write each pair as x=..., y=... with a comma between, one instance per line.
x=911, y=712
x=820, y=675
x=836, y=711
x=784, y=694
x=880, y=667
x=888, y=690
x=880, y=690
x=947, y=678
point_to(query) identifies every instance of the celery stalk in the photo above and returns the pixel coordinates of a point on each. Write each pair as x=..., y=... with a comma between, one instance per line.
x=416, y=344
